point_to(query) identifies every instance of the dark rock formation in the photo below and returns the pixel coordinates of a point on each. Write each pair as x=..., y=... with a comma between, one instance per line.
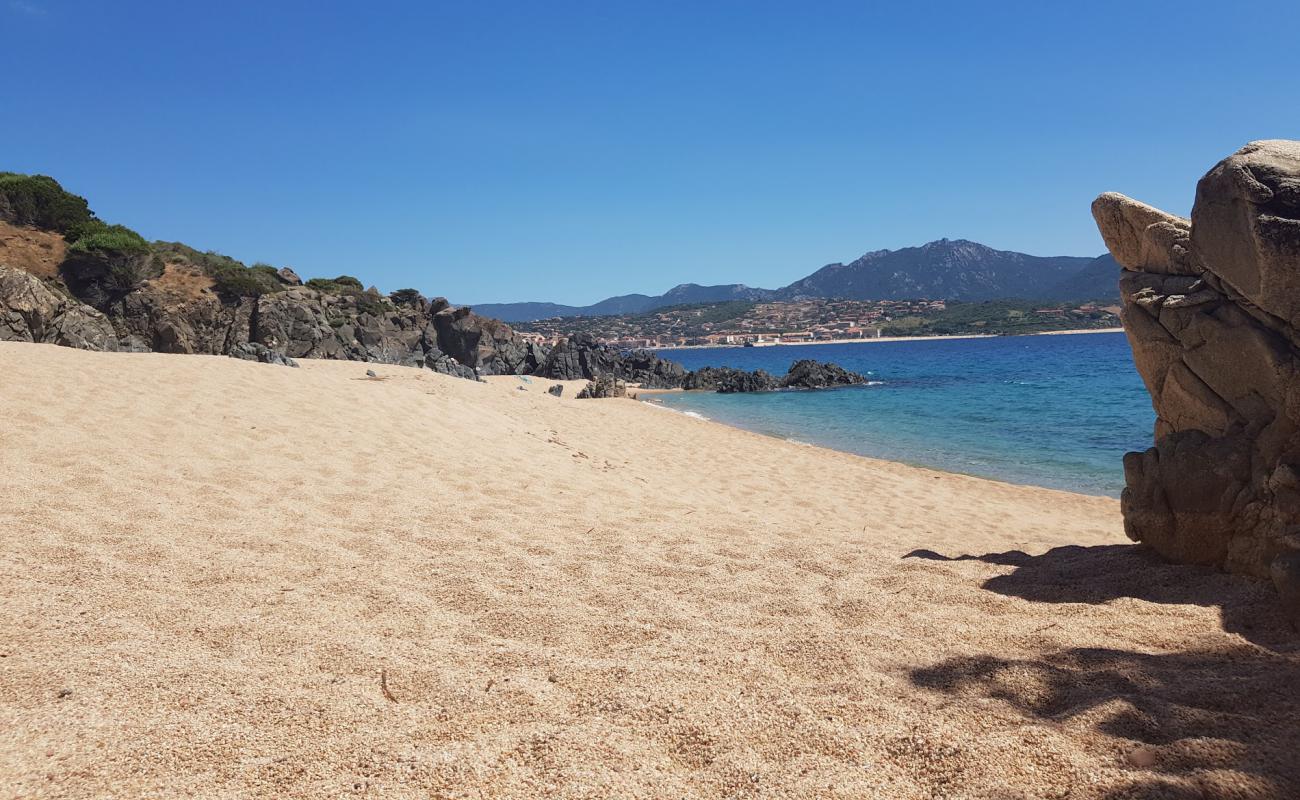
x=1286, y=578
x=290, y=277
x=809, y=374
x=1211, y=309
x=603, y=386
x=31, y=311
x=98, y=277
x=556, y=390
x=581, y=356
x=484, y=343
x=804, y=374
x=298, y=322
x=254, y=351
x=728, y=380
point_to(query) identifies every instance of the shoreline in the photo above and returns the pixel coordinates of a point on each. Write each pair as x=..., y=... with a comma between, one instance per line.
x=874, y=459
x=882, y=339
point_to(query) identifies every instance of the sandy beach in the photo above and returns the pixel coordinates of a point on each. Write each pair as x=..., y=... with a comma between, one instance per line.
x=229, y=579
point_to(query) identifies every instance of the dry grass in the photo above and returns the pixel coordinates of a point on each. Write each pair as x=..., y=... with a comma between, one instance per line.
x=35, y=251
x=182, y=283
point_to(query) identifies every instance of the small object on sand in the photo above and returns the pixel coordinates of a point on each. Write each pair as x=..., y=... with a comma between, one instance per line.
x=522, y=388
x=370, y=373
x=383, y=686
x=1285, y=571
x=556, y=390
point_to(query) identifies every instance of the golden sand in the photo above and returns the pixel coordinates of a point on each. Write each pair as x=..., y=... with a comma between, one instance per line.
x=228, y=579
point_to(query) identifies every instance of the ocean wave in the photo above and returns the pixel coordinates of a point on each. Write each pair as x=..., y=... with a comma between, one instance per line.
x=660, y=405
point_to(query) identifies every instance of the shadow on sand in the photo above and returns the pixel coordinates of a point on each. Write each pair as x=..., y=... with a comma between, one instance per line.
x=1222, y=718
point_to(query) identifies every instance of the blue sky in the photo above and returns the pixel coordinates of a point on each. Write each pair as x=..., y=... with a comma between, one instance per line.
x=566, y=151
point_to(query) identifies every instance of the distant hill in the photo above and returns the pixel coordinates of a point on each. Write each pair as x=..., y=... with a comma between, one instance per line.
x=951, y=269
x=684, y=294
x=947, y=269
x=1098, y=280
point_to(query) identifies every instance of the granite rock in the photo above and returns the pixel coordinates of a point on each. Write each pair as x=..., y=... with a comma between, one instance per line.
x=1211, y=307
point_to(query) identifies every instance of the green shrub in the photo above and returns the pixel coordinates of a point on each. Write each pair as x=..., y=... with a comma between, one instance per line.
x=231, y=277
x=371, y=304
x=241, y=281
x=343, y=284
x=408, y=297
x=98, y=236
x=40, y=201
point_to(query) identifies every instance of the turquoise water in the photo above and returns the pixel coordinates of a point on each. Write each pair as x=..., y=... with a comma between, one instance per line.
x=1056, y=411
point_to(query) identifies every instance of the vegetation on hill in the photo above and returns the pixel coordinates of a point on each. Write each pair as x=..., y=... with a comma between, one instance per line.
x=39, y=201
x=827, y=319
x=408, y=297
x=343, y=284
x=119, y=253
x=97, y=236
x=230, y=277
x=998, y=317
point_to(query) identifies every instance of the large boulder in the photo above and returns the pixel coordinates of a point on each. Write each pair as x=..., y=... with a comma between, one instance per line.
x=486, y=344
x=30, y=311
x=582, y=357
x=602, y=387
x=1211, y=306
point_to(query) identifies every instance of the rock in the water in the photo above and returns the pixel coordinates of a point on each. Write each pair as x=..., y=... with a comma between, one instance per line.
x=603, y=386
x=556, y=390
x=809, y=374
x=255, y=351
x=1212, y=311
x=729, y=380
x=804, y=374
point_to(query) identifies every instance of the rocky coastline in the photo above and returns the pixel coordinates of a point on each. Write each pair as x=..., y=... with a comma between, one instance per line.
x=122, y=294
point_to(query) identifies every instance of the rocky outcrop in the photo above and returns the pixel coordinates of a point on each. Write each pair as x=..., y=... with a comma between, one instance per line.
x=298, y=322
x=31, y=311
x=1211, y=306
x=252, y=351
x=603, y=386
x=803, y=374
x=484, y=343
x=581, y=356
x=809, y=374
x=729, y=380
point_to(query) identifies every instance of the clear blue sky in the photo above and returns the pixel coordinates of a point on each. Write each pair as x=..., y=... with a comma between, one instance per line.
x=564, y=151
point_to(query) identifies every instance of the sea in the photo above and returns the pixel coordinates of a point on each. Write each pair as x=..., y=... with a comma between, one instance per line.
x=1058, y=411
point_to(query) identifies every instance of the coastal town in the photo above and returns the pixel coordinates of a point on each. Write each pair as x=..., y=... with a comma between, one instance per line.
x=742, y=323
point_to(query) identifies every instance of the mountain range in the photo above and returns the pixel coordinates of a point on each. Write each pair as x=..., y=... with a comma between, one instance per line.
x=947, y=269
